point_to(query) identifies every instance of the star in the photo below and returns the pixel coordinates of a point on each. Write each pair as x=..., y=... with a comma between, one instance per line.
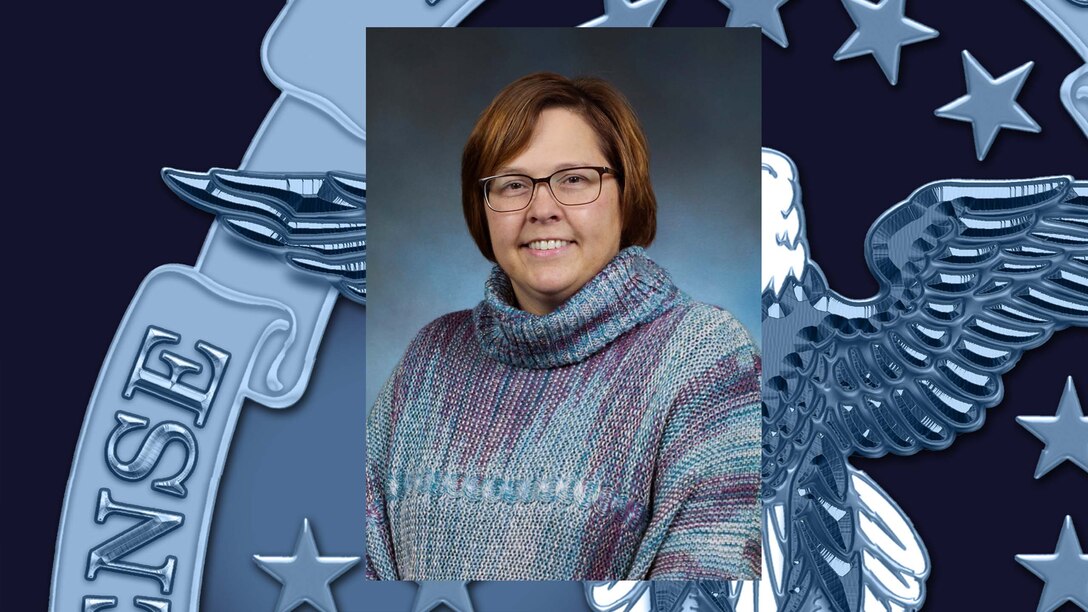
x=451, y=593
x=990, y=104
x=882, y=31
x=1065, y=434
x=1065, y=572
x=759, y=13
x=305, y=575
x=624, y=14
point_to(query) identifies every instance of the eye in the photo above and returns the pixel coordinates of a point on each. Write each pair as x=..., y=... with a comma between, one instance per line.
x=575, y=179
x=512, y=185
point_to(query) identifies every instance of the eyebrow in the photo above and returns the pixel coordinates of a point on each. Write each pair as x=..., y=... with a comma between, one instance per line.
x=555, y=168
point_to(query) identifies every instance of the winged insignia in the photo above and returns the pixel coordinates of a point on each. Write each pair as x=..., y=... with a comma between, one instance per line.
x=316, y=221
x=972, y=274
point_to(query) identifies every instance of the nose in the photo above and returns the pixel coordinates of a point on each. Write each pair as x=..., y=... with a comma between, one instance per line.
x=544, y=207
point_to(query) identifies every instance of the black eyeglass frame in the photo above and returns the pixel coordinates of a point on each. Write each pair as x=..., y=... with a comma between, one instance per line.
x=547, y=180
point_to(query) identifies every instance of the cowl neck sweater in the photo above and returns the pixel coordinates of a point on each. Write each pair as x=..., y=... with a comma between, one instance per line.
x=629, y=291
x=616, y=437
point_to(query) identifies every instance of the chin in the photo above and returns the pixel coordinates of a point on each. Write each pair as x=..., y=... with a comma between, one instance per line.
x=553, y=289
x=553, y=286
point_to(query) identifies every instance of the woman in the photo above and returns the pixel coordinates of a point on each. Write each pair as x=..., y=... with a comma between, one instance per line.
x=587, y=420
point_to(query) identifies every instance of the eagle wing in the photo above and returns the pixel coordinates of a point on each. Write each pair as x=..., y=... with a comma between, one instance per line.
x=972, y=274
x=315, y=221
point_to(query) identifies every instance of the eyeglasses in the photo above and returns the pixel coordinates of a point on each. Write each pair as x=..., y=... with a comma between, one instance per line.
x=569, y=186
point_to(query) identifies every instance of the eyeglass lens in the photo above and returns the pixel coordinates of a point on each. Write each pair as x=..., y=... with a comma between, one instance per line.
x=571, y=187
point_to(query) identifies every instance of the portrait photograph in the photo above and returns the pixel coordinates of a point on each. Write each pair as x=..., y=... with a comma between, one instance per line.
x=563, y=304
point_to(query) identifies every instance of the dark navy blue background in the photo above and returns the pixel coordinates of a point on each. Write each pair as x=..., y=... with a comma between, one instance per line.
x=100, y=96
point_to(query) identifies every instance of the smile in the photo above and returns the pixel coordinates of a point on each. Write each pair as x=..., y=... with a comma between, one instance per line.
x=547, y=245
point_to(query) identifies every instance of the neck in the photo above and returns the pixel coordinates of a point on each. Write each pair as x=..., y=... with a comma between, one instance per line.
x=537, y=305
x=629, y=291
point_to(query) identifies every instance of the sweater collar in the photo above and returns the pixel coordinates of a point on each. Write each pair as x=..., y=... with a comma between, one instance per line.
x=630, y=290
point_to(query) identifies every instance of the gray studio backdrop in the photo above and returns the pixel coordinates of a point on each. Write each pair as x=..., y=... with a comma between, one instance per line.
x=695, y=90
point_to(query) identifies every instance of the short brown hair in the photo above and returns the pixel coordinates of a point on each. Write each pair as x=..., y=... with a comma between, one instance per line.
x=506, y=125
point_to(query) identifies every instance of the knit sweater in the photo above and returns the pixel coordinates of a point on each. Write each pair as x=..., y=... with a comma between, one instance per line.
x=614, y=438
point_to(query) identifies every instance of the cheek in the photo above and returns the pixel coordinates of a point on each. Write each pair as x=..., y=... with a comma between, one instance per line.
x=492, y=228
x=503, y=233
x=601, y=229
x=614, y=224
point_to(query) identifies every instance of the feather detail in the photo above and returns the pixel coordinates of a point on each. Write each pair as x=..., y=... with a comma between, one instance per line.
x=315, y=221
x=972, y=274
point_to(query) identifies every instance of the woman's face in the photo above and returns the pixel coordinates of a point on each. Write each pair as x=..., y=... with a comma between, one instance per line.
x=588, y=236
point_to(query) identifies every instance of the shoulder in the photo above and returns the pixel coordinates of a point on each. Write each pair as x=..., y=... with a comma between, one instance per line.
x=442, y=331
x=711, y=360
x=705, y=327
x=430, y=347
x=715, y=386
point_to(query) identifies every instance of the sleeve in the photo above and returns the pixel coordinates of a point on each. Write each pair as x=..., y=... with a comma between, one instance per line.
x=380, y=561
x=705, y=520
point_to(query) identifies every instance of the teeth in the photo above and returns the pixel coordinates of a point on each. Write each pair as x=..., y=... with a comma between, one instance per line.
x=547, y=245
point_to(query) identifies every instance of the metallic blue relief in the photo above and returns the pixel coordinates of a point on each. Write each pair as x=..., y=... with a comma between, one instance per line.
x=151, y=450
x=971, y=274
x=168, y=364
x=760, y=14
x=990, y=104
x=625, y=14
x=153, y=523
x=1070, y=19
x=99, y=549
x=1065, y=434
x=452, y=594
x=1065, y=572
x=882, y=31
x=316, y=222
x=305, y=574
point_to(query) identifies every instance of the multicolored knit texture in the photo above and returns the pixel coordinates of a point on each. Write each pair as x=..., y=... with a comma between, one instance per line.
x=617, y=437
